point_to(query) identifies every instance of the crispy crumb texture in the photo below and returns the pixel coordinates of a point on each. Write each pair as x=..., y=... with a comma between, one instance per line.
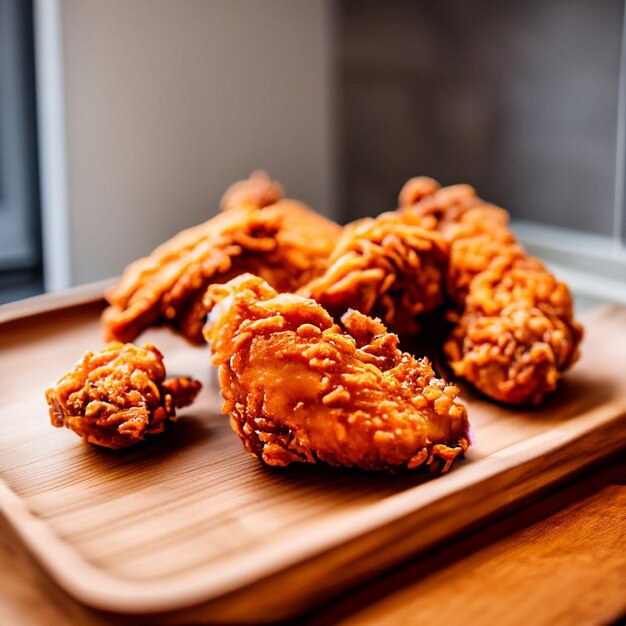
x=300, y=388
x=259, y=232
x=384, y=266
x=119, y=396
x=514, y=328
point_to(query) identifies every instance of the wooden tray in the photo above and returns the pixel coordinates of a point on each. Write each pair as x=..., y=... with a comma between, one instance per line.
x=192, y=520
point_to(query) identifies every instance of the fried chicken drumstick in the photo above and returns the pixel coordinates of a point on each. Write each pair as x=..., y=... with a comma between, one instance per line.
x=117, y=397
x=300, y=388
x=514, y=327
x=284, y=242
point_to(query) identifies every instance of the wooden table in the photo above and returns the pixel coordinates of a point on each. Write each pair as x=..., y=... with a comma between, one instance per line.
x=558, y=560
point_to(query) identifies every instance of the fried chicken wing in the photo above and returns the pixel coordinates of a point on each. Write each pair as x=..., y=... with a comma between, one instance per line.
x=285, y=243
x=384, y=266
x=300, y=388
x=119, y=396
x=514, y=326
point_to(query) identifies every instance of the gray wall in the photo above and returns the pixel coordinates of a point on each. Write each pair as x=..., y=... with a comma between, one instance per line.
x=517, y=98
x=167, y=102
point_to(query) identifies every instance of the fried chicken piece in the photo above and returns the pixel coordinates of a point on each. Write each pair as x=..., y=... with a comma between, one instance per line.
x=257, y=191
x=299, y=388
x=515, y=331
x=117, y=397
x=285, y=243
x=384, y=266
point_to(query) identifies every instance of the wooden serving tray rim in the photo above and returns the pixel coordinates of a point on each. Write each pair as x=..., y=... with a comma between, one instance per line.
x=48, y=302
x=101, y=590
x=104, y=591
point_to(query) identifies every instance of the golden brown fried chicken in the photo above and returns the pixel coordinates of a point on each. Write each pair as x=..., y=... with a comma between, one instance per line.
x=515, y=331
x=384, y=266
x=257, y=191
x=285, y=243
x=119, y=396
x=300, y=388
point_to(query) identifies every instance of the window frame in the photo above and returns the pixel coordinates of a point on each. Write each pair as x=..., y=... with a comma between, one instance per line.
x=19, y=224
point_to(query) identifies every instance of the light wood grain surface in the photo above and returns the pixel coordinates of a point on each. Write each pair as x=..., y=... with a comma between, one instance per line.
x=559, y=561
x=192, y=519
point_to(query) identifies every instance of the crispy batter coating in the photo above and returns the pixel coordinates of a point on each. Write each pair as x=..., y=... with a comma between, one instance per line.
x=300, y=388
x=515, y=331
x=285, y=243
x=257, y=191
x=384, y=266
x=118, y=396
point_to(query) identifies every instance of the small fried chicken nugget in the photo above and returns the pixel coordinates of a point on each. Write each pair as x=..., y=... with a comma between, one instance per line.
x=117, y=397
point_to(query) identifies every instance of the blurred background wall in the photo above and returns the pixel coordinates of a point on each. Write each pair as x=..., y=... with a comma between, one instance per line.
x=526, y=101
x=518, y=98
x=148, y=109
x=167, y=103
